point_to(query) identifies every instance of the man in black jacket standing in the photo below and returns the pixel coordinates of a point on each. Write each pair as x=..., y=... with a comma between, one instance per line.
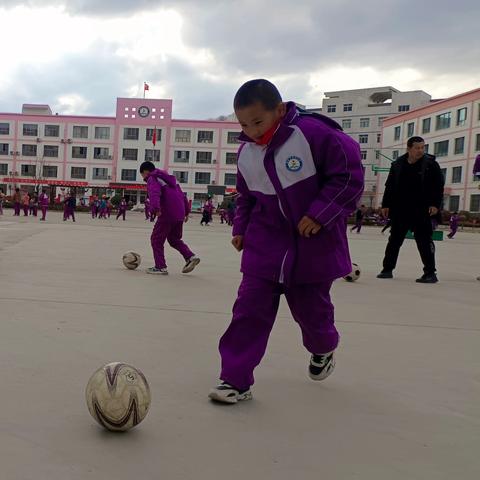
x=413, y=194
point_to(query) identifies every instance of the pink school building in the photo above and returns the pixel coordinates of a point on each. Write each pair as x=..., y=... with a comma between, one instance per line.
x=100, y=155
x=451, y=130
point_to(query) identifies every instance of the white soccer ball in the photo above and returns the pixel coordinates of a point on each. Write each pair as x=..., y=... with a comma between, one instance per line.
x=354, y=275
x=118, y=396
x=131, y=260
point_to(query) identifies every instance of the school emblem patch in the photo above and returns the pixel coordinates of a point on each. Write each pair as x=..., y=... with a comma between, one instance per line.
x=294, y=163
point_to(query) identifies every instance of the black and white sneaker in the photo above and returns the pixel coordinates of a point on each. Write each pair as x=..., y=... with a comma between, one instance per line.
x=192, y=262
x=226, y=393
x=321, y=366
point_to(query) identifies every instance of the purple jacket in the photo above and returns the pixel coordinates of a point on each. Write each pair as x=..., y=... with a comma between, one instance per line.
x=476, y=165
x=309, y=168
x=166, y=196
x=454, y=221
x=43, y=200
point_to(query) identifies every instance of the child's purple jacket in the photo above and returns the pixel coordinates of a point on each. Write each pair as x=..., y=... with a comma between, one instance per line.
x=166, y=196
x=309, y=168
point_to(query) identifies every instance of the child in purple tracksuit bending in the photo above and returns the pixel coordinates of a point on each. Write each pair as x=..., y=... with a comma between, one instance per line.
x=170, y=206
x=299, y=177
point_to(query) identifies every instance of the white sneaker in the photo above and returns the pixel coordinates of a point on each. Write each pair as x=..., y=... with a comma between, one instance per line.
x=157, y=271
x=225, y=393
x=321, y=366
x=192, y=262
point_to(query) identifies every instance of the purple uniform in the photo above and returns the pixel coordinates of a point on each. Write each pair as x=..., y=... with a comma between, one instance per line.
x=453, y=226
x=43, y=201
x=309, y=168
x=122, y=209
x=171, y=205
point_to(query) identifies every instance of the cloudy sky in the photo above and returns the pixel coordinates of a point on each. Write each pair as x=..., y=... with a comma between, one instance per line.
x=79, y=55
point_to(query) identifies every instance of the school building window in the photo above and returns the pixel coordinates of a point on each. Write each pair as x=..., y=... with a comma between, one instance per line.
x=395, y=154
x=182, y=177
x=30, y=130
x=50, y=171
x=51, y=131
x=443, y=121
x=331, y=108
x=475, y=203
x=444, y=173
x=427, y=146
x=101, y=153
x=3, y=148
x=130, y=133
x=183, y=136
x=79, y=152
x=457, y=175
x=426, y=124
x=461, y=117
x=477, y=142
x=347, y=107
x=231, y=158
x=410, y=129
x=204, y=157
x=78, y=172
x=152, y=155
x=29, y=150
x=230, y=179
x=379, y=137
x=459, y=145
x=4, y=129
x=50, y=151
x=130, y=154
x=205, y=136
x=102, y=133
x=347, y=123
x=232, y=137
x=454, y=203
x=363, y=139
x=80, y=132
x=28, y=170
x=363, y=154
x=440, y=149
x=149, y=134
x=364, y=122
x=129, y=175
x=403, y=108
x=200, y=197
x=202, y=178
x=396, y=133
x=181, y=156
x=101, y=173
x=3, y=169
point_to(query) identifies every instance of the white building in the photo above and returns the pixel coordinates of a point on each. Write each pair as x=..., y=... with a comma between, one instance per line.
x=361, y=114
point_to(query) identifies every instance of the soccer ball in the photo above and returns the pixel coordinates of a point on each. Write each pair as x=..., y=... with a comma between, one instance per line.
x=118, y=396
x=354, y=275
x=131, y=260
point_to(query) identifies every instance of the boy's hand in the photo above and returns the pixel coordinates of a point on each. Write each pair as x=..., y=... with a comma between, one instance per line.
x=237, y=242
x=432, y=211
x=307, y=227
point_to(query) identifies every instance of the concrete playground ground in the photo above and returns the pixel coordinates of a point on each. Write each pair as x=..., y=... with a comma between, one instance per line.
x=403, y=402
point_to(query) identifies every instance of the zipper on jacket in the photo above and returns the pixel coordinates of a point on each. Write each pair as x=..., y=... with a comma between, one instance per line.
x=281, y=209
x=281, y=268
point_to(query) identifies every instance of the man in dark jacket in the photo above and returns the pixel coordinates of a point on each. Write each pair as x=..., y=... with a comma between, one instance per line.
x=413, y=194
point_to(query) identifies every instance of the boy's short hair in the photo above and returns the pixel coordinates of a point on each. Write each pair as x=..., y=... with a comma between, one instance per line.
x=147, y=167
x=413, y=140
x=258, y=90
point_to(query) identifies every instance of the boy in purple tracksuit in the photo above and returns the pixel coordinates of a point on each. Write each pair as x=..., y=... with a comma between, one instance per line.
x=17, y=199
x=170, y=206
x=299, y=177
x=453, y=225
x=122, y=209
x=43, y=201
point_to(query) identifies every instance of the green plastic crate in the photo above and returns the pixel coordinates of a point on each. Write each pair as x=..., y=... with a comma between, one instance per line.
x=437, y=235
